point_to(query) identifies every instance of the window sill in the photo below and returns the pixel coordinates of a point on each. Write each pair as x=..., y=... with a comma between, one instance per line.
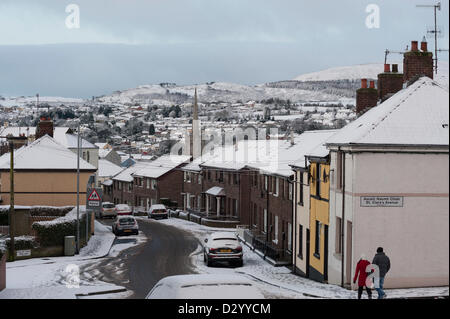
x=275, y=242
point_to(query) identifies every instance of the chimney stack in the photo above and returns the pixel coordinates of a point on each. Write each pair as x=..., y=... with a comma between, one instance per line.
x=372, y=84
x=366, y=98
x=389, y=82
x=44, y=127
x=418, y=63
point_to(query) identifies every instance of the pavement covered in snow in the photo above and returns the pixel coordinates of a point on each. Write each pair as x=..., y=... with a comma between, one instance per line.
x=60, y=278
x=280, y=282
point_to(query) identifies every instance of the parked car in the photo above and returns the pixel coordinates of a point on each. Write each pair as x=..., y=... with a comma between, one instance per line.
x=125, y=225
x=158, y=212
x=123, y=210
x=205, y=287
x=223, y=246
x=108, y=210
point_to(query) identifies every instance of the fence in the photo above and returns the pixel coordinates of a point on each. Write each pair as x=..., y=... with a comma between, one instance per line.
x=259, y=242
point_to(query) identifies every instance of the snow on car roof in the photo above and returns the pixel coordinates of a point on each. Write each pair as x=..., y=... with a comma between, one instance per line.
x=223, y=235
x=205, y=279
x=205, y=286
x=158, y=206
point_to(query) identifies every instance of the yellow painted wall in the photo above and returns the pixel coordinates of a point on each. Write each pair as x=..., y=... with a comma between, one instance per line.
x=319, y=212
x=47, y=188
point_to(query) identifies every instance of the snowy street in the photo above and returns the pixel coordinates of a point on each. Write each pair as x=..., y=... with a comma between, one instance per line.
x=128, y=267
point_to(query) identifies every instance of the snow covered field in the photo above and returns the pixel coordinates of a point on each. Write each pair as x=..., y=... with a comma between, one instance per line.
x=279, y=282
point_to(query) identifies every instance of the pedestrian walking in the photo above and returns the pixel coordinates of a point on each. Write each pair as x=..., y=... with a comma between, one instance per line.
x=361, y=276
x=384, y=264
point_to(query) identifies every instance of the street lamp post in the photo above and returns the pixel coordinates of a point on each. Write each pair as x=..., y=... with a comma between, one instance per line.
x=21, y=140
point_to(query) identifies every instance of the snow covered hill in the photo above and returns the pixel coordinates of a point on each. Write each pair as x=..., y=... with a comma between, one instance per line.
x=353, y=72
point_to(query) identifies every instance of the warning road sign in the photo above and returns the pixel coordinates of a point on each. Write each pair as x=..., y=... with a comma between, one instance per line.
x=94, y=198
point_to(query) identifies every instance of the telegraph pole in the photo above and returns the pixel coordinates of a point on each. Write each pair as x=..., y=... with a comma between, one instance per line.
x=11, y=201
x=78, y=189
x=21, y=141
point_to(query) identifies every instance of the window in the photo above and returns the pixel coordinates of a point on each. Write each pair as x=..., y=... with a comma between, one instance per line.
x=199, y=202
x=300, y=242
x=276, y=231
x=200, y=179
x=338, y=235
x=300, y=185
x=289, y=243
x=154, y=184
x=221, y=176
x=266, y=183
x=148, y=183
x=317, y=242
x=265, y=220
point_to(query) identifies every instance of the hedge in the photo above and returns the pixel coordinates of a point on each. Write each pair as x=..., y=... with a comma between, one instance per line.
x=36, y=211
x=22, y=242
x=50, y=211
x=52, y=233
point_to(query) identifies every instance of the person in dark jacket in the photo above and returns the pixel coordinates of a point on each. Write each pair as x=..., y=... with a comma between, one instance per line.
x=361, y=276
x=384, y=264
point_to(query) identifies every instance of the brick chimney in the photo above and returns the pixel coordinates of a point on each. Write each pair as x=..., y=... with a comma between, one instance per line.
x=45, y=126
x=416, y=62
x=389, y=82
x=366, y=97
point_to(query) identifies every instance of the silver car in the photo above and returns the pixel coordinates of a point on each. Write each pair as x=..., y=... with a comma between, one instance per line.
x=108, y=210
x=223, y=246
x=125, y=225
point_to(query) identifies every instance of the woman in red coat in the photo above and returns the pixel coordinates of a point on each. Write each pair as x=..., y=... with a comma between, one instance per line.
x=362, y=274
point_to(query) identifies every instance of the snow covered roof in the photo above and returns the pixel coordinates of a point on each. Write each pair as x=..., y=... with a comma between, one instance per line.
x=417, y=116
x=108, y=182
x=44, y=154
x=108, y=169
x=125, y=175
x=160, y=166
x=269, y=156
x=59, y=134
x=216, y=191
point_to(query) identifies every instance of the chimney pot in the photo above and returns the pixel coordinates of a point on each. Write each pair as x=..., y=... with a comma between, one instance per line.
x=372, y=84
x=364, y=83
x=394, y=68
x=424, y=46
x=387, y=68
x=414, y=46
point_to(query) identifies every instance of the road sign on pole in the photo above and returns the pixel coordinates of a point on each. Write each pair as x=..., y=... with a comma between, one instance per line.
x=94, y=198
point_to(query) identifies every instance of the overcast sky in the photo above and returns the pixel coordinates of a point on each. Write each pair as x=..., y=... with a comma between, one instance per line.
x=125, y=43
